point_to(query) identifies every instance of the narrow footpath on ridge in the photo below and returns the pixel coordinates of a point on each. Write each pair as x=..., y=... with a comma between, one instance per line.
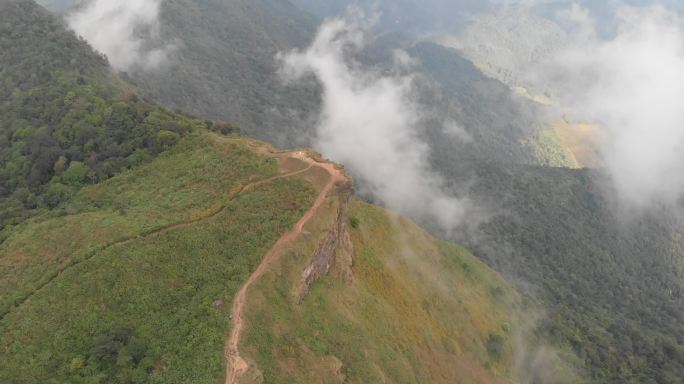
x=236, y=366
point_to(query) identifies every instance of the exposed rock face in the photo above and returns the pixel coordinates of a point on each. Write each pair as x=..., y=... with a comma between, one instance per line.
x=335, y=251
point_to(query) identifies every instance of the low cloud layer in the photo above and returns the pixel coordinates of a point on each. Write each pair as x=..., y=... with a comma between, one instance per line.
x=369, y=123
x=123, y=30
x=633, y=85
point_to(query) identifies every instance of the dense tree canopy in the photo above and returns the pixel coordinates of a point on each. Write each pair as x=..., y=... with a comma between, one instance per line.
x=65, y=120
x=614, y=285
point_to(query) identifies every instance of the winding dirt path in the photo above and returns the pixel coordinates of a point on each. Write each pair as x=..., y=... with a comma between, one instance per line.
x=236, y=366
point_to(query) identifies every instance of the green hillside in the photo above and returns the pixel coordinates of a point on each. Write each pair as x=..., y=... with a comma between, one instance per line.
x=117, y=285
x=128, y=230
x=65, y=121
x=397, y=306
x=130, y=282
x=120, y=284
x=57, y=5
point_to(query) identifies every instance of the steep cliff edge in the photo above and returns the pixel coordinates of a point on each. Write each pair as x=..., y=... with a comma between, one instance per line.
x=336, y=250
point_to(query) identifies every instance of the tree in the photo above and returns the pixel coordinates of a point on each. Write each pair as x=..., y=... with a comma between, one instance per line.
x=55, y=194
x=76, y=174
x=167, y=139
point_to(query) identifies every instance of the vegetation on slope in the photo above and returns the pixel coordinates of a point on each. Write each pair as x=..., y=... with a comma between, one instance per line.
x=117, y=285
x=550, y=151
x=506, y=43
x=617, y=298
x=226, y=68
x=583, y=141
x=611, y=280
x=432, y=16
x=397, y=306
x=496, y=120
x=64, y=120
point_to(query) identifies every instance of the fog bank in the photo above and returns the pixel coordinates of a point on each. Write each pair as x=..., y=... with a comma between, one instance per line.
x=633, y=85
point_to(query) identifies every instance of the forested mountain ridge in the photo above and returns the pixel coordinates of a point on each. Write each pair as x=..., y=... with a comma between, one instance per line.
x=65, y=119
x=225, y=66
x=613, y=285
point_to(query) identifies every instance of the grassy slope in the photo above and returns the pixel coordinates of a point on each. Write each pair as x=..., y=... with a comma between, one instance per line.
x=551, y=151
x=98, y=291
x=418, y=310
x=582, y=140
x=141, y=311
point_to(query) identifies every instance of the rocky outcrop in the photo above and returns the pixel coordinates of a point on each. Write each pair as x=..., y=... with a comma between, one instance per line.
x=336, y=249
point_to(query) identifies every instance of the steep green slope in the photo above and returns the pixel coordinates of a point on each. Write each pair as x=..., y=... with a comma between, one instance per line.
x=65, y=120
x=507, y=43
x=395, y=305
x=497, y=120
x=119, y=285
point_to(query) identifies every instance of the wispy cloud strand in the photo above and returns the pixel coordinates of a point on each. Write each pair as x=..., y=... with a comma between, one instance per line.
x=369, y=123
x=123, y=30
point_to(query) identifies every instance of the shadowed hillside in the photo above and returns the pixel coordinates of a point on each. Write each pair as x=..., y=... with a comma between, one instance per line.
x=225, y=66
x=614, y=283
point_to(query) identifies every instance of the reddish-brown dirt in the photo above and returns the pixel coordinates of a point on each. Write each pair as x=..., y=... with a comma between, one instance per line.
x=236, y=366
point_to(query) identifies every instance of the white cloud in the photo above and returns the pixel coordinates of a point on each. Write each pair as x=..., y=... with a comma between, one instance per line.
x=633, y=85
x=124, y=30
x=369, y=123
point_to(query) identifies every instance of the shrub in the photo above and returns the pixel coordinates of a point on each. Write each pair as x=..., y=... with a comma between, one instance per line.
x=495, y=346
x=55, y=194
x=76, y=174
x=167, y=139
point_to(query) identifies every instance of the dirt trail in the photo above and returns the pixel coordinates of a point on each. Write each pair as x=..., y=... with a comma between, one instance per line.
x=236, y=366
